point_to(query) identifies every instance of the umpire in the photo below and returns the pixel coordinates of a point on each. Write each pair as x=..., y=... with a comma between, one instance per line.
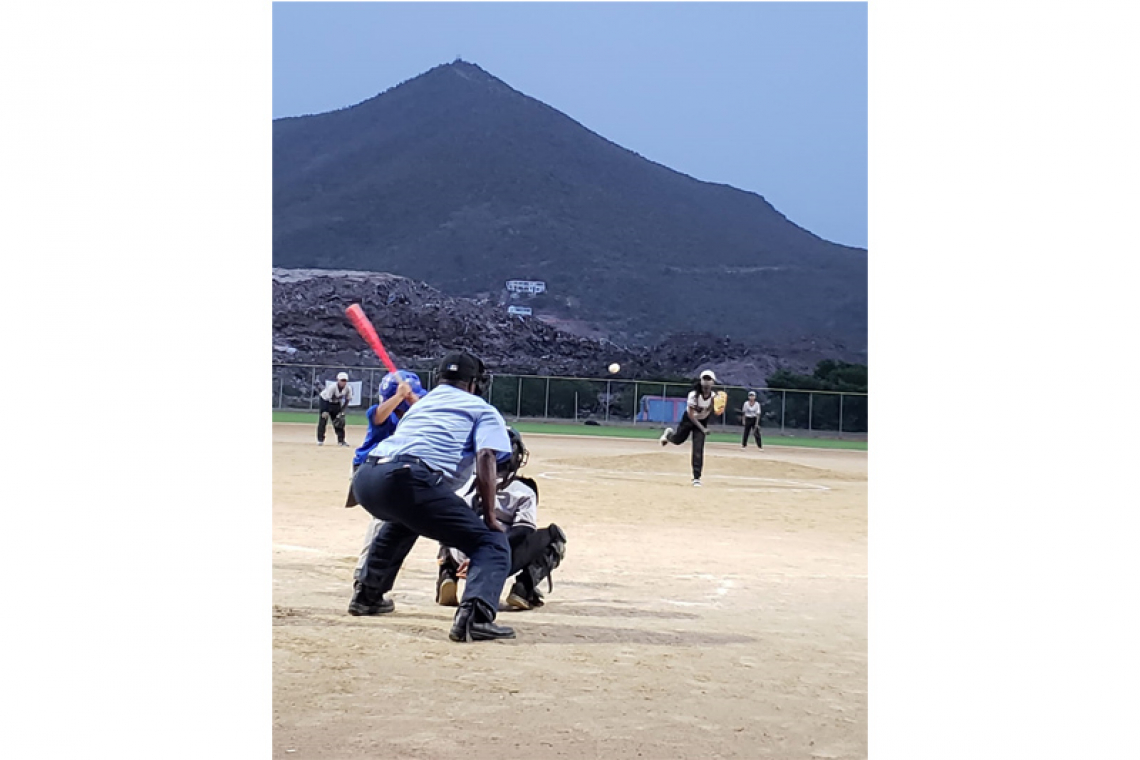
x=409, y=481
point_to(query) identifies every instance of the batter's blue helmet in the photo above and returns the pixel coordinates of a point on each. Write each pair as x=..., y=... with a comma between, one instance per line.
x=392, y=381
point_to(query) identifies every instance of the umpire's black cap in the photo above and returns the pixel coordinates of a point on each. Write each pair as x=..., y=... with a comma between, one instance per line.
x=462, y=366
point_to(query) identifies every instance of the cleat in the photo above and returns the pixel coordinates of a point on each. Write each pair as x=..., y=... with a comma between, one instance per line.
x=367, y=602
x=448, y=593
x=447, y=582
x=520, y=598
x=665, y=436
x=516, y=601
x=696, y=482
x=447, y=588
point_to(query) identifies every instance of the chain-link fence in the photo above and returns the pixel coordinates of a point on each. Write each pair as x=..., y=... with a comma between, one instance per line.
x=630, y=402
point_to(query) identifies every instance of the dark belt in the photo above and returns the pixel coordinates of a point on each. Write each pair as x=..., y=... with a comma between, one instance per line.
x=402, y=458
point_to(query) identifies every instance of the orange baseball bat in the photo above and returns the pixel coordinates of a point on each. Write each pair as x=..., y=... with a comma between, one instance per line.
x=364, y=326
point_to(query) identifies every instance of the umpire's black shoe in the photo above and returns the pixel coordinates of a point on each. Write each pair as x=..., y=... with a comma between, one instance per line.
x=474, y=623
x=366, y=601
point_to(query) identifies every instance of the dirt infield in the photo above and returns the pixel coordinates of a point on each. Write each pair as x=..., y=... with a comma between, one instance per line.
x=728, y=621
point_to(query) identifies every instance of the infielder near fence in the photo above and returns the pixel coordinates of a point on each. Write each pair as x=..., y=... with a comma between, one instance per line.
x=334, y=401
x=751, y=412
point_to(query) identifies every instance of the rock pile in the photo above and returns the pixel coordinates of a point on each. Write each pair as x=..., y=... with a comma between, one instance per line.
x=418, y=324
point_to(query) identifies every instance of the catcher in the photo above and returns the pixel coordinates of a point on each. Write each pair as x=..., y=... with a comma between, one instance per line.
x=702, y=403
x=334, y=400
x=535, y=552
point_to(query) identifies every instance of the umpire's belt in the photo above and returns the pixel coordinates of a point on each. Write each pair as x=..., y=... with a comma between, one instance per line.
x=400, y=458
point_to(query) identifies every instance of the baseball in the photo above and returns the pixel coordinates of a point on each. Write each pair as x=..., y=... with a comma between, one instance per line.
x=614, y=368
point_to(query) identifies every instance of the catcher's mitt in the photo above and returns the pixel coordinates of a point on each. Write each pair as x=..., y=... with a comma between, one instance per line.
x=720, y=401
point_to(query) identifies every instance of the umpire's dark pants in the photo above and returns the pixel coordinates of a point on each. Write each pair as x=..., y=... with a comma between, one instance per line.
x=413, y=501
x=751, y=425
x=684, y=429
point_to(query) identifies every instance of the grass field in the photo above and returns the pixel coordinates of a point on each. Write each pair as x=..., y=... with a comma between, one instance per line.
x=615, y=431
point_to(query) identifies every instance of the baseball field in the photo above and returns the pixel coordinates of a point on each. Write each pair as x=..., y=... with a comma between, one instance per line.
x=728, y=621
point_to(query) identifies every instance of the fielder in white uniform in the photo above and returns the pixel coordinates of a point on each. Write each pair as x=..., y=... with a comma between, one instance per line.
x=751, y=412
x=334, y=401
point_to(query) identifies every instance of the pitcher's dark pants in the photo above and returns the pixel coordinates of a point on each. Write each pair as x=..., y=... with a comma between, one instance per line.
x=334, y=412
x=684, y=429
x=413, y=501
x=751, y=425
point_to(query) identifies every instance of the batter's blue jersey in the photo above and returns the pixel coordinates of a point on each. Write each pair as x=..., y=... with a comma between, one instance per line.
x=376, y=434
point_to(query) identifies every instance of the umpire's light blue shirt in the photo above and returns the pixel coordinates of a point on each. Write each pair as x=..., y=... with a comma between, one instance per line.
x=445, y=428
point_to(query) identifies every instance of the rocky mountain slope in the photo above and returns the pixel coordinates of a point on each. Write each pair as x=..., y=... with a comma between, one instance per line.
x=418, y=324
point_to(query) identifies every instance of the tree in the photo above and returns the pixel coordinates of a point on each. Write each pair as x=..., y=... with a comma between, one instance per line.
x=822, y=411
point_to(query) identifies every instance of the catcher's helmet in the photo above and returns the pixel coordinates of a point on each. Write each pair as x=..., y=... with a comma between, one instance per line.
x=508, y=468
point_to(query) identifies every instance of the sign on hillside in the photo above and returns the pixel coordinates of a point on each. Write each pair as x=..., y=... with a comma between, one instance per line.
x=533, y=287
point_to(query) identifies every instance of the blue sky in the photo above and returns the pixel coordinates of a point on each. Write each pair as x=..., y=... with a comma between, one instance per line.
x=767, y=97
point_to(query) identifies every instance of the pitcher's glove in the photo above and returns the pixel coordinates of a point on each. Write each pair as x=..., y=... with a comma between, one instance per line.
x=720, y=401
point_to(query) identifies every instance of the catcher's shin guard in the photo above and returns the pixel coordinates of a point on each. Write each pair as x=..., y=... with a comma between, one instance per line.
x=541, y=569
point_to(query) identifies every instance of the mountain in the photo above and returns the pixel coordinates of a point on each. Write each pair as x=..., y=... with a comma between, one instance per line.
x=455, y=179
